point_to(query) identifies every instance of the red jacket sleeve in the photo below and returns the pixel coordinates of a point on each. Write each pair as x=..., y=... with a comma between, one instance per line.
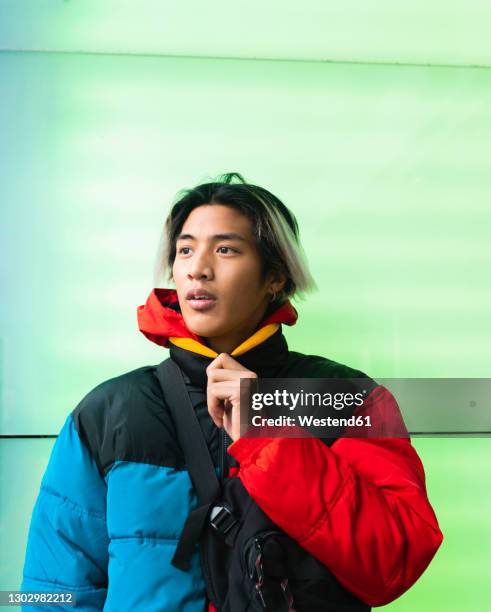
x=359, y=506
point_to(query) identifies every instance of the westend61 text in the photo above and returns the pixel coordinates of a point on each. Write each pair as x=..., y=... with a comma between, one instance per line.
x=310, y=421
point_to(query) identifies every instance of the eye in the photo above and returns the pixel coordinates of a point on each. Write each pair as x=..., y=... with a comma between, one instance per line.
x=180, y=251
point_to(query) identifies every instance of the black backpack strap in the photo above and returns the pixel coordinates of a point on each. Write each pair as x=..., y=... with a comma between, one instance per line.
x=198, y=459
x=189, y=432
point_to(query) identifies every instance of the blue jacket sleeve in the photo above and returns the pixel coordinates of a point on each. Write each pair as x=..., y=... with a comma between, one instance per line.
x=67, y=543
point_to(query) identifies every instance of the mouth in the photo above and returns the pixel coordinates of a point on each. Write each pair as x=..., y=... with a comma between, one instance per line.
x=200, y=300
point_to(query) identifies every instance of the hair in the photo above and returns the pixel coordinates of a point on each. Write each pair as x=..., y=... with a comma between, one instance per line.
x=274, y=227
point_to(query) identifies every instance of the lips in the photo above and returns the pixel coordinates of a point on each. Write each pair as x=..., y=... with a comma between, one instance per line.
x=199, y=293
x=200, y=299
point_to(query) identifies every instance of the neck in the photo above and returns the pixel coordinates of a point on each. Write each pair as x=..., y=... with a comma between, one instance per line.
x=228, y=342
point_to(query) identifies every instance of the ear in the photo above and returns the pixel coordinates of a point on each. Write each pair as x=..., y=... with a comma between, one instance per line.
x=279, y=282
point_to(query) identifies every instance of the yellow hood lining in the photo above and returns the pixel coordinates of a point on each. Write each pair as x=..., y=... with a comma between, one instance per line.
x=257, y=338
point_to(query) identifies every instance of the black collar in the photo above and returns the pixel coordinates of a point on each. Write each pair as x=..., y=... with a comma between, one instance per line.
x=267, y=359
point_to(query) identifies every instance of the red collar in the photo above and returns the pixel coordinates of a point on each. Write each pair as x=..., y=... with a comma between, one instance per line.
x=160, y=317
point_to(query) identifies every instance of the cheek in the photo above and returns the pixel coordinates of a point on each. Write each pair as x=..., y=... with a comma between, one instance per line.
x=242, y=296
x=242, y=279
x=178, y=274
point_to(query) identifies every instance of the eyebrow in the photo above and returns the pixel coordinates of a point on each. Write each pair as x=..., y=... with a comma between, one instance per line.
x=215, y=238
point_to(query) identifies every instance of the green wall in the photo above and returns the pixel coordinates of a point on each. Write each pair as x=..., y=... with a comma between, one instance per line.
x=382, y=151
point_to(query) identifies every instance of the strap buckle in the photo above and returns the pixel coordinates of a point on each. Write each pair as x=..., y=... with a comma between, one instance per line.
x=285, y=587
x=258, y=567
x=222, y=519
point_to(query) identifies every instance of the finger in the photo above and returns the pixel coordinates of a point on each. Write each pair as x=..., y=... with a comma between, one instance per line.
x=217, y=415
x=221, y=391
x=224, y=360
x=215, y=403
x=218, y=400
x=225, y=374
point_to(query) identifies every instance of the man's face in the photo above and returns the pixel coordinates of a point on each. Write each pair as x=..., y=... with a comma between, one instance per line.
x=229, y=268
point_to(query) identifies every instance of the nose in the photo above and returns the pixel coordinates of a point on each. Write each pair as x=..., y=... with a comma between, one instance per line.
x=199, y=266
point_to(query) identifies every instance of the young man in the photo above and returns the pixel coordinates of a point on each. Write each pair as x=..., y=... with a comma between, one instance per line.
x=116, y=493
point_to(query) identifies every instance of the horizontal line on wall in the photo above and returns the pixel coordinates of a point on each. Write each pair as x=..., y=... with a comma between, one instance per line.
x=411, y=433
x=28, y=435
x=247, y=59
x=450, y=433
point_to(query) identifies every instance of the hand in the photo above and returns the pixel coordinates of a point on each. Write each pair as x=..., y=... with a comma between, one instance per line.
x=223, y=392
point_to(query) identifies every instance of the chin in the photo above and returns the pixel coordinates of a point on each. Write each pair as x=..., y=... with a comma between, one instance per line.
x=202, y=329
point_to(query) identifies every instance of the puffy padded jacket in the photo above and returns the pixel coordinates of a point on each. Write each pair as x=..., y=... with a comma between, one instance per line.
x=116, y=492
